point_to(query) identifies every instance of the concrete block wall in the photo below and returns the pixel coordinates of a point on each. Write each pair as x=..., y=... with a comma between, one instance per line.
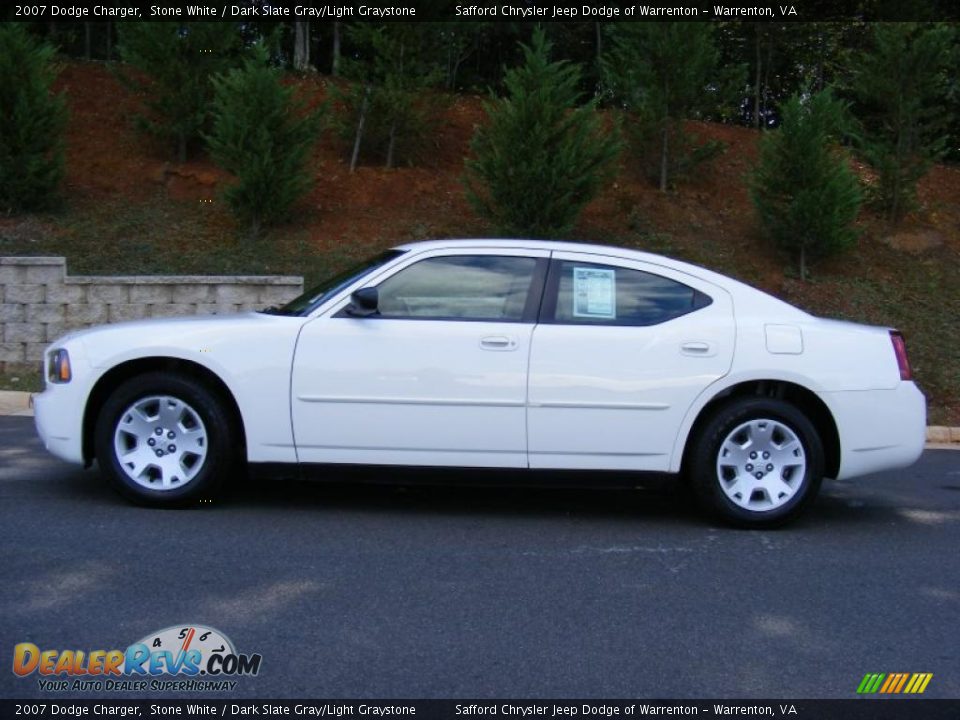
x=39, y=301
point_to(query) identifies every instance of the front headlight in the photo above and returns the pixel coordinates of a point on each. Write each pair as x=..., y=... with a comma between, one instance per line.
x=58, y=366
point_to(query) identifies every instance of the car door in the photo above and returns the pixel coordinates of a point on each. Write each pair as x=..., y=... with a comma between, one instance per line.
x=621, y=351
x=436, y=377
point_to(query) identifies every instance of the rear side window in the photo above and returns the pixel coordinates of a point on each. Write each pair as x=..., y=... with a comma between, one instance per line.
x=460, y=287
x=592, y=294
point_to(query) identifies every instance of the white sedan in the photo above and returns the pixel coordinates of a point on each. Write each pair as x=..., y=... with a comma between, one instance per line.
x=494, y=354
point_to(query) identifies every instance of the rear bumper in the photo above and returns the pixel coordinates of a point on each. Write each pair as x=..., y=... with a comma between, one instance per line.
x=879, y=429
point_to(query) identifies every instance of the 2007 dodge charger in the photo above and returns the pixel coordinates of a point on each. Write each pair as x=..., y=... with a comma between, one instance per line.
x=495, y=354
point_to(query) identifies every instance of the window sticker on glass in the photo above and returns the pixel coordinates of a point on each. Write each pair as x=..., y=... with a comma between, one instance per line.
x=594, y=293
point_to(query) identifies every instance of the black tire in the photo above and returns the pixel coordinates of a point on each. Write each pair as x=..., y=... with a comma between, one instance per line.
x=220, y=441
x=705, y=477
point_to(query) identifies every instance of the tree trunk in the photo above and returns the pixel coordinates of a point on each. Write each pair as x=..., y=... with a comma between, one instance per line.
x=360, y=123
x=756, y=81
x=766, y=76
x=109, y=41
x=902, y=126
x=301, y=46
x=393, y=125
x=664, y=155
x=597, y=27
x=452, y=75
x=335, y=63
x=803, y=263
x=86, y=40
x=182, y=147
x=665, y=130
x=391, y=144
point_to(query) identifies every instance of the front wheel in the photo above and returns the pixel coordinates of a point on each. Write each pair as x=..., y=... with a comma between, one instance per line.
x=757, y=463
x=164, y=440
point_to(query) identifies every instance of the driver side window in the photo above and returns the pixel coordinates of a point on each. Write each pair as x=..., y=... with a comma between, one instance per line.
x=459, y=287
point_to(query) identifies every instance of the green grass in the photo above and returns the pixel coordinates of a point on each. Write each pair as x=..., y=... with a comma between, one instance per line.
x=27, y=381
x=163, y=236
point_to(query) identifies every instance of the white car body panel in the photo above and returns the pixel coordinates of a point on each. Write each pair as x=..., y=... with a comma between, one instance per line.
x=440, y=399
x=329, y=389
x=614, y=397
x=249, y=352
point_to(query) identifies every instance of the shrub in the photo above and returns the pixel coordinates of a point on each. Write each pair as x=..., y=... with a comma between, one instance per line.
x=803, y=188
x=175, y=64
x=263, y=134
x=539, y=159
x=901, y=88
x=32, y=121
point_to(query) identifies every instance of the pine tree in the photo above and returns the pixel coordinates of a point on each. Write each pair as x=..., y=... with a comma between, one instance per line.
x=263, y=134
x=32, y=121
x=539, y=159
x=663, y=74
x=901, y=86
x=174, y=64
x=805, y=193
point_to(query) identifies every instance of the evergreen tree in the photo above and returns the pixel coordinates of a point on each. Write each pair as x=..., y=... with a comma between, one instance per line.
x=174, y=64
x=388, y=109
x=263, y=134
x=539, y=159
x=805, y=193
x=901, y=87
x=32, y=121
x=665, y=73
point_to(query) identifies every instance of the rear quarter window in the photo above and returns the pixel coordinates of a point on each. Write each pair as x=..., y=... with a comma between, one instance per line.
x=594, y=294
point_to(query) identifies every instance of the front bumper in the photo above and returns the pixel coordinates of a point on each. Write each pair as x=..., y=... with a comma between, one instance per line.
x=58, y=410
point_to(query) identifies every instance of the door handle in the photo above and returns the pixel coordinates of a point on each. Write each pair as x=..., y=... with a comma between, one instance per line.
x=700, y=349
x=498, y=342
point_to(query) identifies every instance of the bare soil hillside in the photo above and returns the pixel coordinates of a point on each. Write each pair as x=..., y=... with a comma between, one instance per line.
x=127, y=208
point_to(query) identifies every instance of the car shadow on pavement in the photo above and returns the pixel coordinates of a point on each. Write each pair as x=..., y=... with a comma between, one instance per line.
x=27, y=471
x=469, y=493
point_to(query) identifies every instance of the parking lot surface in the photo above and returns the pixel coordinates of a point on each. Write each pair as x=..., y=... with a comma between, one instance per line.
x=365, y=591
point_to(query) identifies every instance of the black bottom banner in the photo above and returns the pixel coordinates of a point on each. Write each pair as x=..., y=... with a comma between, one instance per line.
x=854, y=709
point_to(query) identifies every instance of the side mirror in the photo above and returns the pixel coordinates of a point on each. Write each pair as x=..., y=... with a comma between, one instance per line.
x=363, y=302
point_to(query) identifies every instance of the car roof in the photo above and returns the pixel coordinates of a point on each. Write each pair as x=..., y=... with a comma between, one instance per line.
x=569, y=246
x=557, y=245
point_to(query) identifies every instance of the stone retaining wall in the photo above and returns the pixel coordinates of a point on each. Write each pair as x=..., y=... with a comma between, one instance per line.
x=39, y=301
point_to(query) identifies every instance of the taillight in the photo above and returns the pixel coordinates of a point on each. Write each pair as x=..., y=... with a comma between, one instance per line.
x=900, y=349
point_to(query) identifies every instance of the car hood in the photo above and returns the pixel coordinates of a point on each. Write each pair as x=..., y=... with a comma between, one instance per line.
x=181, y=336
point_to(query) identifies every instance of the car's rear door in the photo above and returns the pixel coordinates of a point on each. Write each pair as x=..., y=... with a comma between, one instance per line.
x=437, y=377
x=621, y=351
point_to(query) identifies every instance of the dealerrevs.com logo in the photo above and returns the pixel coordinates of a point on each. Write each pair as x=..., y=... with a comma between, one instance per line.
x=200, y=657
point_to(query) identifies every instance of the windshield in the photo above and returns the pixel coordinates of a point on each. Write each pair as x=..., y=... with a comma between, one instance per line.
x=305, y=303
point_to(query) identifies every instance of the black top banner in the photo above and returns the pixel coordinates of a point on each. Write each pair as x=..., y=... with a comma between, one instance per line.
x=890, y=709
x=482, y=11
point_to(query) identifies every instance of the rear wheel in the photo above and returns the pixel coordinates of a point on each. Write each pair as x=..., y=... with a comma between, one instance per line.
x=164, y=440
x=757, y=463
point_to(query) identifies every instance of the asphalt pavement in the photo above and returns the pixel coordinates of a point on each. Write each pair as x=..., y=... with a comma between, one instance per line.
x=360, y=591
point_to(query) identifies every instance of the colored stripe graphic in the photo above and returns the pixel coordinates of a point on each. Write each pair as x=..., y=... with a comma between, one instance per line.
x=903, y=681
x=892, y=679
x=894, y=683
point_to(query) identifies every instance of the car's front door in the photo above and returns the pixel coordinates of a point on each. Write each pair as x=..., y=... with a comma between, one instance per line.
x=436, y=377
x=622, y=350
